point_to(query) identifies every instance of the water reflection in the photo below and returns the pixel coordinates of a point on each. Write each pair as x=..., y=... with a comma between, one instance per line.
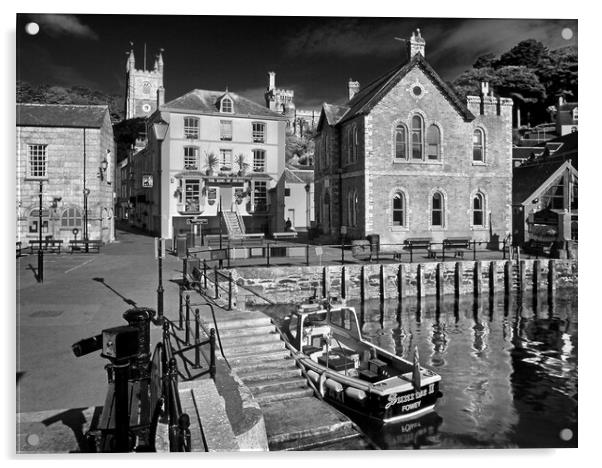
x=508, y=367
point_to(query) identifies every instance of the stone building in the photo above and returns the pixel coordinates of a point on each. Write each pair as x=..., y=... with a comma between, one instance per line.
x=143, y=88
x=211, y=155
x=405, y=157
x=279, y=100
x=67, y=150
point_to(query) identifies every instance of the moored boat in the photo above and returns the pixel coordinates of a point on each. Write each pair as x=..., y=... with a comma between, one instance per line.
x=353, y=373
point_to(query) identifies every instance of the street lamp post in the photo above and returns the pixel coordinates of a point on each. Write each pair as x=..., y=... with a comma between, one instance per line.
x=159, y=252
x=86, y=193
x=40, y=251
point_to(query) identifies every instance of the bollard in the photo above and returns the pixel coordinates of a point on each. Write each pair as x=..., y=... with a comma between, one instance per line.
x=400, y=276
x=197, y=340
x=184, y=270
x=230, y=291
x=181, y=309
x=187, y=319
x=122, y=417
x=205, y=273
x=212, y=346
x=343, y=292
x=478, y=279
x=184, y=433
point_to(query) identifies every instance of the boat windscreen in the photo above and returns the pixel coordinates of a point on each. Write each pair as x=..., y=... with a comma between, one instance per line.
x=314, y=319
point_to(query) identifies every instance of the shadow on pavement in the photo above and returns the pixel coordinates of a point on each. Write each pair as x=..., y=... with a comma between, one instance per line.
x=75, y=420
x=34, y=271
x=125, y=299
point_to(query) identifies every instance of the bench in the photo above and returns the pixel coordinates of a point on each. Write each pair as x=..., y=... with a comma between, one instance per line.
x=48, y=245
x=459, y=244
x=285, y=235
x=538, y=247
x=19, y=249
x=419, y=243
x=79, y=246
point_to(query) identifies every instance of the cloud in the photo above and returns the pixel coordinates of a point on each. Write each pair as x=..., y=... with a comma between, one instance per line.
x=64, y=25
x=254, y=94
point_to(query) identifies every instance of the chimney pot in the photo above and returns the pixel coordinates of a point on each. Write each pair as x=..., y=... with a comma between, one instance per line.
x=416, y=44
x=353, y=88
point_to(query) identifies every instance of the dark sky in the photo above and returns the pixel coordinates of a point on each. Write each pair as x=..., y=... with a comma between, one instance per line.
x=314, y=56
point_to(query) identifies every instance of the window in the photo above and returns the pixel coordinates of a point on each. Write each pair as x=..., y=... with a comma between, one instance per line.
x=478, y=210
x=258, y=132
x=260, y=195
x=399, y=209
x=191, y=158
x=433, y=141
x=349, y=145
x=225, y=159
x=192, y=196
x=355, y=143
x=352, y=208
x=37, y=161
x=258, y=160
x=416, y=137
x=478, y=145
x=225, y=130
x=146, y=87
x=34, y=220
x=71, y=218
x=554, y=196
x=400, y=142
x=437, y=210
x=227, y=105
x=191, y=128
x=287, y=192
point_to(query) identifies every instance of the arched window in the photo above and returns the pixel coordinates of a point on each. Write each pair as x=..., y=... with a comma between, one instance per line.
x=399, y=209
x=71, y=217
x=417, y=137
x=437, y=210
x=227, y=105
x=478, y=145
x=355, y=142
x=433, y=141
x=478, y=210
x=401, y=151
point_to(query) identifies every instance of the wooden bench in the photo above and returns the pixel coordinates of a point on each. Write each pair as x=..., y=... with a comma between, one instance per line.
x=538, y=247
x=79, y=246
x=459, y=244
x=285, y=235
x=48, y=245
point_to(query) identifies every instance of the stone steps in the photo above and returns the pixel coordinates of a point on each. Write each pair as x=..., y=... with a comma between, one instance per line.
x=250, y=339
x=267, y=385
x=269, y=374
x=237, y=351
x=253, y=358
x=244, y=367
x=232, y=332
x=242, y=321
x=283, y=393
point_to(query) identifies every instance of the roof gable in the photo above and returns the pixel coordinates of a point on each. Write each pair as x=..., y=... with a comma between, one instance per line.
x=528, y=181
x=364, y=101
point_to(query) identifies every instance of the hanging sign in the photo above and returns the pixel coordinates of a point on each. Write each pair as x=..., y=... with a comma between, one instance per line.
x=147, y=181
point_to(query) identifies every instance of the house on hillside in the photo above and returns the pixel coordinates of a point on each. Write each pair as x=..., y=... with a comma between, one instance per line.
x=405, y=157
x=67, y=153
x=211, y=155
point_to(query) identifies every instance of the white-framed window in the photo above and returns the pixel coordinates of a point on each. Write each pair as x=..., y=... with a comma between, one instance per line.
x=191, y=128
x=399, y=209
x=417, y=144
x=258, y=160
x=225, y=130
x=38, y=161
x=478, y=145
x=192, y=195
x=34, y=220
x=478, y=210
x=71, y=218
x=225, y=159
x=258, y=132
x=191, y=158
x=433, y=141
x=260, y=195
x=401, y=138
x=227, y=106
x=437, y=210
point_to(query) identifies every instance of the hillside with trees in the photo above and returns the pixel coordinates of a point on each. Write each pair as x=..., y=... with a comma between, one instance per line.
x=529, y=73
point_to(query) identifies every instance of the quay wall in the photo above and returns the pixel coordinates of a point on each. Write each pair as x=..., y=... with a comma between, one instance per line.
x=389, y=281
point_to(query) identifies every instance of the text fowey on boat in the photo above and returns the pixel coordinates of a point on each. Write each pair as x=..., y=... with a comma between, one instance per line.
x=354, y=374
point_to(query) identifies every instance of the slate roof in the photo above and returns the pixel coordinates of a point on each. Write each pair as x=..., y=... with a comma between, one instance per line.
x=61, y=115
x=524, y=152
x=293, y=176
x=204, y=101
x=334, y=113
x=527, y=179
x=374, y=91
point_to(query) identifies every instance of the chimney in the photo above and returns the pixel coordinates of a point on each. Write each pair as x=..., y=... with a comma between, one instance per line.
x=484, y=88
x=353, y=87
x=272, y=84
x=416, y=44
x=160, y=96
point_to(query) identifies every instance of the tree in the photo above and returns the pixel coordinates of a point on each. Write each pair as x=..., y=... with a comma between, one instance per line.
x=469, y=82
x=485, y=61
x=558, y=73
x=529, y=53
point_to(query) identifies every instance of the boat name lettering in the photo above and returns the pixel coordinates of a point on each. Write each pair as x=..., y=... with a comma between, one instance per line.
x=395, y=399
x=411, y=406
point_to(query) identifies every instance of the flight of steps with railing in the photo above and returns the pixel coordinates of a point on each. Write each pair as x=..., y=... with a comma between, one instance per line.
x=234, y=224
x=294, y=418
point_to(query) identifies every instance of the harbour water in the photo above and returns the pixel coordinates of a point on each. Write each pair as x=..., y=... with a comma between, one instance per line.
x=508, y=368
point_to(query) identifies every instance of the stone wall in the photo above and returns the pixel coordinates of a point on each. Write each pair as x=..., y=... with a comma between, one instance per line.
x=373, y=281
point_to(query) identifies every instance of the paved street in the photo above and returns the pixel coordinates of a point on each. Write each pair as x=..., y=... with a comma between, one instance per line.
x=72, y=304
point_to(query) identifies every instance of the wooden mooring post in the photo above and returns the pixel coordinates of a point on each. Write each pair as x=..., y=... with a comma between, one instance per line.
x=478, y=278
x=381, y=281
x=343, y=285
x=492, y=278
x=400, y=280
x=363, y=283
x=457, y=279
x=439, y=281
x=536, y=272
x=508, y=277
x=419, y=281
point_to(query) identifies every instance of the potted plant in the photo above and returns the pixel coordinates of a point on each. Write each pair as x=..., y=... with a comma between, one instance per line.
x=243, y=166
x=212, y=163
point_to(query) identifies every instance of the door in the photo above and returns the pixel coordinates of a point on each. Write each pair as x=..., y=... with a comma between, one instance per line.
x=291, y=215
x=227, y=198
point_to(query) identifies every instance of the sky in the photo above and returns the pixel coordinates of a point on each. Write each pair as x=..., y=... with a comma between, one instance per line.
x=314, y=56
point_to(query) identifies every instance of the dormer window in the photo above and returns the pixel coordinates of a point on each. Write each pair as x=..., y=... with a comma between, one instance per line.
x=227, y=106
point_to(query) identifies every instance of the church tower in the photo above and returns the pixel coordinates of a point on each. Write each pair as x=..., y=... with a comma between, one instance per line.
x=143, y=88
